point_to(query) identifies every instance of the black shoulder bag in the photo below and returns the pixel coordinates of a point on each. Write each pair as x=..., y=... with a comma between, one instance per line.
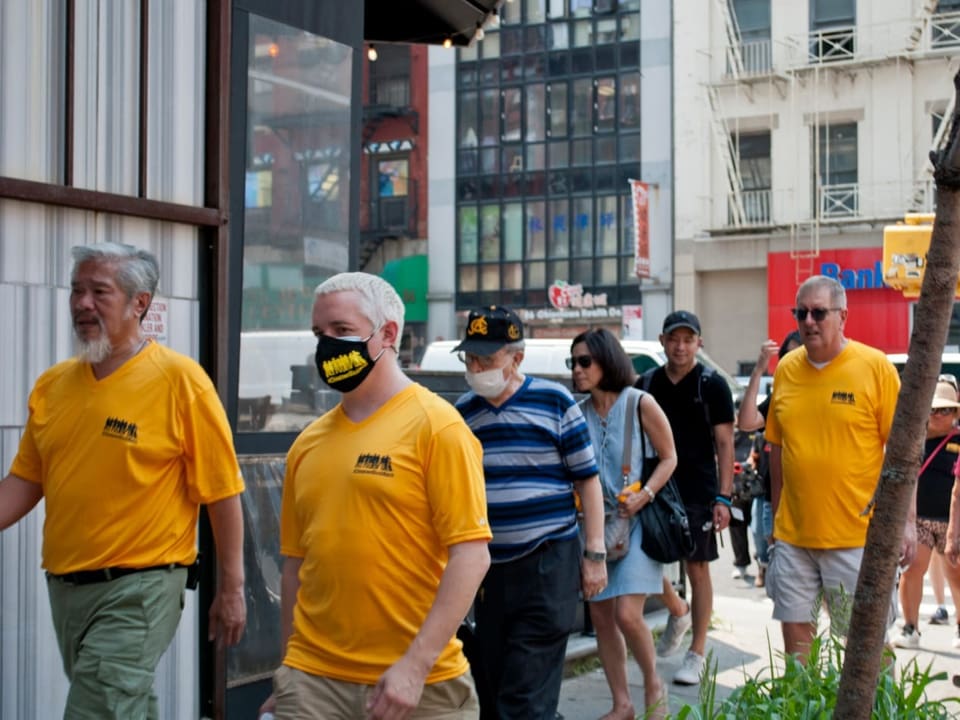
x=666, y=534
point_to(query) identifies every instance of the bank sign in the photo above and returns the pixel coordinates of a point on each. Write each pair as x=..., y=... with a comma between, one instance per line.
x=877, y=315
x=855, y=278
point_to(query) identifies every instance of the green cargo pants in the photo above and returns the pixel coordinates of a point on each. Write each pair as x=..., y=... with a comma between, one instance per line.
x=111, y=636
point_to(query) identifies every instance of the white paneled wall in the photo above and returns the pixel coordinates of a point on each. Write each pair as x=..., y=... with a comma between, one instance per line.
x=35, y=264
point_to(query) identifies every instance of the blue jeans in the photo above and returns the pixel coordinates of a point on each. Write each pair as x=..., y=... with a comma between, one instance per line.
x=762, y=527
x=525, y=609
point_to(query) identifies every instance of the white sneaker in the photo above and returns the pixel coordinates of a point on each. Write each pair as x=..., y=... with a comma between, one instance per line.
x=739, y=572
x=691, y=669
x=908, y=637
x=672, y=636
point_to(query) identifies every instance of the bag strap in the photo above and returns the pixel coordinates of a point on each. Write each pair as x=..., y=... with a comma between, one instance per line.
x=643, y=435
x=628, y=437
x=935, y=452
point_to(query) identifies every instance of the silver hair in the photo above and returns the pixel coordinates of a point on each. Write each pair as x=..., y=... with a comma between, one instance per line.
x=379, y=302
x=137, y=270
x=838, y=296
x=513, y=347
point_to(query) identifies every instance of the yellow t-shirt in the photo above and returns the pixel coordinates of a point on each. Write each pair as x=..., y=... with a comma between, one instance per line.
x=125, y=461
x=371, y=508
x=832, y=425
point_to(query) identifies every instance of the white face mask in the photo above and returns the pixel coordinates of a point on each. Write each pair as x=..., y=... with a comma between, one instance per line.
x=489, y=383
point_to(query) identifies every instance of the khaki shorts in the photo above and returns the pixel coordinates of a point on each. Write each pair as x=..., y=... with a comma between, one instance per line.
x=799, y=579
x=302, y=696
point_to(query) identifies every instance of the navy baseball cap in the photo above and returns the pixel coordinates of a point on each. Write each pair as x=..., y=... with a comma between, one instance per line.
x=489, y=329
x=681, y=319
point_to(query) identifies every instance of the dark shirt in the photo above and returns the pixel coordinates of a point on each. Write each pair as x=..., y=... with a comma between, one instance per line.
x=763, y=451
x=935, y=484
x=696, y=472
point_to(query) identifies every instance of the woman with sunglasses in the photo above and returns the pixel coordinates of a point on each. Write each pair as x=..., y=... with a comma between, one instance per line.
x=934, y=489
x=601, y=368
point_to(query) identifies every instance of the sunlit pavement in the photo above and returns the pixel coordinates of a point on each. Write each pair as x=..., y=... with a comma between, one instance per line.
x=743, y=639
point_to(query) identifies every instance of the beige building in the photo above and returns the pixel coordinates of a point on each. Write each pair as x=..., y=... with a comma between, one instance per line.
x=801, y=129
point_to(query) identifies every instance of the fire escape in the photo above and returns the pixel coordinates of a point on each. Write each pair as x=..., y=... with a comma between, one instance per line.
x=387, y=215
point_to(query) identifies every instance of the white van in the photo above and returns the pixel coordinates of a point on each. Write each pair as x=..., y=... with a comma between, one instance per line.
x=267, y=358
x=547, y=357
x=950, y=362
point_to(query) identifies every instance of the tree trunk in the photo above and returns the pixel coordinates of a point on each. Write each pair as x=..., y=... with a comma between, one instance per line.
x=861, y=667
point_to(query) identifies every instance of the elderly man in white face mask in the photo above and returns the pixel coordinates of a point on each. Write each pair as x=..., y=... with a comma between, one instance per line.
x=536, y=452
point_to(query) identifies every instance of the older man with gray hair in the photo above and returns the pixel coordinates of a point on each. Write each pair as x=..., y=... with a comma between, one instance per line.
x=827, y=426
x=124, y=442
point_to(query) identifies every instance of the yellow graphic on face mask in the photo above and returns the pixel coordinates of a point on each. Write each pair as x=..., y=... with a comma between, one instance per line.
x=343, y=366
x=478, y=326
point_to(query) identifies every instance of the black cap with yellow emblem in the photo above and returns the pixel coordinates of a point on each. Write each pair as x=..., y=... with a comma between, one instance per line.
x=489, y=329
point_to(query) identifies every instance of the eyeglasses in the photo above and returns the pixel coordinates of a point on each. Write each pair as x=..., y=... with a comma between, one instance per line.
x=583, y=361
x=948, y=378
x=943, y=411
x=818, y=314
x=487, y=362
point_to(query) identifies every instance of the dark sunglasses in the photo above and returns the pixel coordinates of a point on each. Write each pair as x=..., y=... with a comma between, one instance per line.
x=943, y=411
x=819, y=314
x=583, y=361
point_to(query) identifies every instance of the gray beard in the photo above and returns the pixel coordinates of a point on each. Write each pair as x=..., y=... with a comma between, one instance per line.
x=94, y=351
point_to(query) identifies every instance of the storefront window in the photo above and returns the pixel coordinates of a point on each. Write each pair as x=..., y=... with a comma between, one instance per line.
x=490, y=232
x=468, y=234
x=490, y=277
x=583, y=226
x=536, y=230
x=559, y=228
x=297, y=200
x=513, y=231
x=536, y=11
x=512, y=276
x=607, y=228
x=582, y=107
x=558, y=109
x=535, y=108
x=467, y=133
x=535, y=275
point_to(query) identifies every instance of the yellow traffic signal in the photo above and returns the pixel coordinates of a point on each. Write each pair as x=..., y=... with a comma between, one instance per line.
x=905, y=248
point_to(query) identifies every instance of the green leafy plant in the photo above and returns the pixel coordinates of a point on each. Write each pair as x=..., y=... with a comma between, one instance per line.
x=808, y=691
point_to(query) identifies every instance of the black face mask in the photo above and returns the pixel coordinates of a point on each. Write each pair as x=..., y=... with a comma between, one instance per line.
x=344, y=363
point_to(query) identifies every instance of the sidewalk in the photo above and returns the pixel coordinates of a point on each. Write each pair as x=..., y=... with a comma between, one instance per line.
x=743, y=638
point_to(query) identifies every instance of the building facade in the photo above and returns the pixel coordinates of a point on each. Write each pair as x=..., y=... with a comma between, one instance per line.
x=394, y=181
x=226, y=137
x=546, y=119
x=802, y=129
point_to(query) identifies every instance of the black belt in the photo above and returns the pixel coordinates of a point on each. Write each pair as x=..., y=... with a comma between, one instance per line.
x=88, y=577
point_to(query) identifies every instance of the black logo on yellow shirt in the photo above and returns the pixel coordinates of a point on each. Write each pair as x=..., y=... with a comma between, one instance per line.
x=843, y=398
x=120, y=429
x=373, y=464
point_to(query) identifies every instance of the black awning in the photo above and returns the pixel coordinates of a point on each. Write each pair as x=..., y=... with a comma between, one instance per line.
x=428, y=22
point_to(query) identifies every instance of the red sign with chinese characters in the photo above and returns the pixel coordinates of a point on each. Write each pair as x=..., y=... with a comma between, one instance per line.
x=640, y=192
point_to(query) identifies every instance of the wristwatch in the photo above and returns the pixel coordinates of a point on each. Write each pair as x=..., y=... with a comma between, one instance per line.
x=595, y=556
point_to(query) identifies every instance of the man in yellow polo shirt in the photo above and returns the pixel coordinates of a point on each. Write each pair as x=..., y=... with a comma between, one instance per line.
x=123, y=443
x=383, y=529
x=829, y=417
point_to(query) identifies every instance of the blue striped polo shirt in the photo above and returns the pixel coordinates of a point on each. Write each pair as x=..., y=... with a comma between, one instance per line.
x=535, y=446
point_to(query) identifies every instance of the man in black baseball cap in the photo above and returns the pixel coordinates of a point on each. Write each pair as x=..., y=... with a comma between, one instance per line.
x=681, y=319
x=698, y=404
x=489, y=329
